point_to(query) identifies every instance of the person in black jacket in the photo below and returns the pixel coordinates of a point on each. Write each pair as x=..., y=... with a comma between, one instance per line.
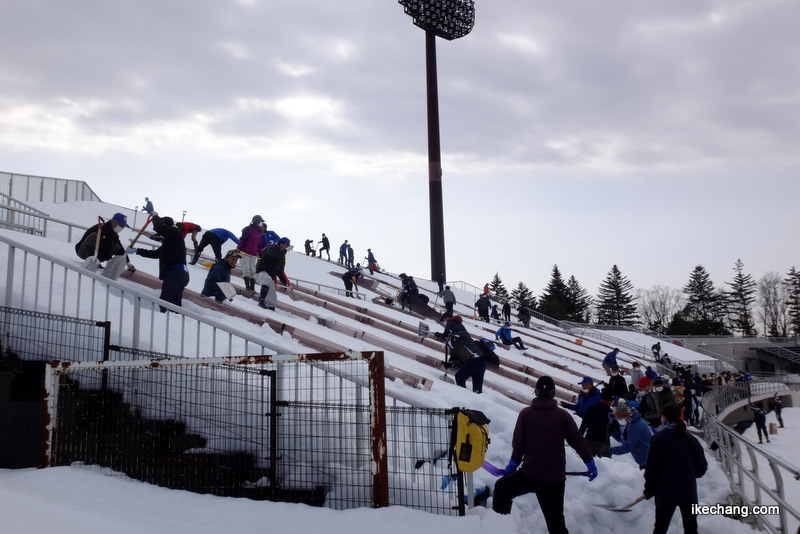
x=594, y=426
x=109, y=246
x=760, y=418
x=674, y=463
x=350, y=279
x=465, y=354
x=617, y=384
x=409, y=293
x=270, y=265
x=172, y=270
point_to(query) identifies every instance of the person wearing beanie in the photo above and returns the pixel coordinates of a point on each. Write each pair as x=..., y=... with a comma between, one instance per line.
x=594, y=426
x=633, y=434
x=270, y=266
x=674, y=463
x=588, y=396
x=171, y=255
x=538, y=444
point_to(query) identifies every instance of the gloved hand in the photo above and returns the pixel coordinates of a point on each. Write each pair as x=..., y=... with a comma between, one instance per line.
x=511, y=467
x=132, y=251
x=592, y=470
x=647, y=494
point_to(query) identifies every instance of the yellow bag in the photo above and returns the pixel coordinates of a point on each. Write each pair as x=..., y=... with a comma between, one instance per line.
x=471, y=439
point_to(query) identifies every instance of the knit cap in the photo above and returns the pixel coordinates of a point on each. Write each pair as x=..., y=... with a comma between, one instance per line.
x=621, y=409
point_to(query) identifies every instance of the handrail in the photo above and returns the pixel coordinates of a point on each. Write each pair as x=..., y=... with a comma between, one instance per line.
x=38, y=281
x=44, y=188
x=728, y=445
x=14, y=203
x=176, y=334
x=590, y=330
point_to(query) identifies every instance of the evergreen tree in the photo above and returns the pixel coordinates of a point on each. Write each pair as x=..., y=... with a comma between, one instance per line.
x=615, y=302
x=704, y=309
x=554, y=302
x=739, y=301
x=522, y=296
x=580, y=302
x=497, y=289
x=793, y=298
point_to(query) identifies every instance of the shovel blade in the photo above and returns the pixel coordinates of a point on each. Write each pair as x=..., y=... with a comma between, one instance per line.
x=91, y=264
x=114, y=267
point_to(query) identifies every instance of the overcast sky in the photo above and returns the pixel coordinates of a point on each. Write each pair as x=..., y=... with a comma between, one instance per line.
x=653, y=135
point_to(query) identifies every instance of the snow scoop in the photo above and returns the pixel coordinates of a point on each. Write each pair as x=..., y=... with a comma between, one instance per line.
x=91, y=263
x=114, y=267
x=423, y=330
x=227, y=289
x=626, y=508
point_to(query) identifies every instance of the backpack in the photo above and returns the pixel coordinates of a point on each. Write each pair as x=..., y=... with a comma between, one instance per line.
x=469, y=439
x=487, y=351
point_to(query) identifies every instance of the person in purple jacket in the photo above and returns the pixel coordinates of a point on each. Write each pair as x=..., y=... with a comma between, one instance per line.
x=538, y=443
x=248, y=246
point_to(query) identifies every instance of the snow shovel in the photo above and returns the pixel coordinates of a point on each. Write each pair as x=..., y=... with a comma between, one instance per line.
x=114, y=267
x=227, y=289
x=142, y=229
x=91, y=263
x=626, y=508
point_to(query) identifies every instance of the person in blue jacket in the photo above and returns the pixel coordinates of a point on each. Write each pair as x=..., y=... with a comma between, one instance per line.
x=504, y=336
x=588, y=396
x=220, y=272
x=630, y=430
x=214, y=238
x=610, y=361
x=268, y=237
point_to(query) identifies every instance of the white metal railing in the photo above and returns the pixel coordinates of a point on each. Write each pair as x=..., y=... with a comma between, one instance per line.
x=38, y=281
x=27, y=187
x=757, y=476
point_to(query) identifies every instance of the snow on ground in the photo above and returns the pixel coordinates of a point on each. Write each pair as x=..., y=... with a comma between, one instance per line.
x=79, y=500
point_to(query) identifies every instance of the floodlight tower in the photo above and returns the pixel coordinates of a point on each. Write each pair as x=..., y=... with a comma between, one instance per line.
x=449, y=19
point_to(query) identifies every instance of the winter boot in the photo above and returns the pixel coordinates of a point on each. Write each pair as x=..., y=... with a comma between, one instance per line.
x=250, y=283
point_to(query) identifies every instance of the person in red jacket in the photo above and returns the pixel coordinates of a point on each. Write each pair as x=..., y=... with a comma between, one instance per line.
x=538, y=443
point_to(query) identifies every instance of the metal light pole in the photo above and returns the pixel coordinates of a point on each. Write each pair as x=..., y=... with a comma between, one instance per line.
x=449, y=19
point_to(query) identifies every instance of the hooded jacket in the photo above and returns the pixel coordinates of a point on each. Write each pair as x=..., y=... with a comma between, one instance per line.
x=538, y=441
x=634, y=438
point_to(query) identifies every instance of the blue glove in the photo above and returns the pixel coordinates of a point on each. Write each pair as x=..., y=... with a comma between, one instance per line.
x=132, y=251
x=511, y=467
x=592, y=470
